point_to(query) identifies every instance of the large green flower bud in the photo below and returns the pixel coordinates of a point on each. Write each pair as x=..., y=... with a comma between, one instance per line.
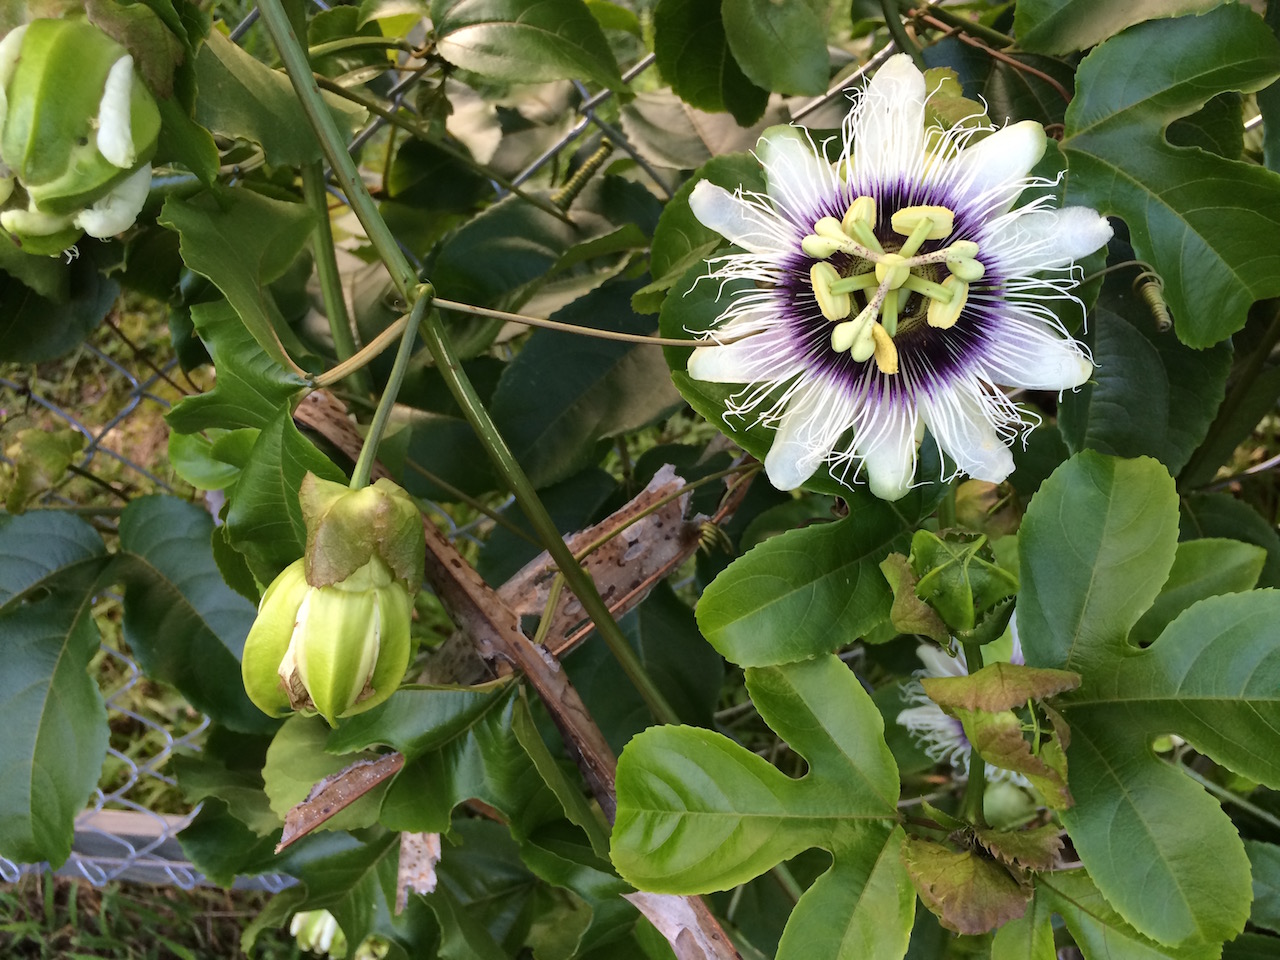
x=78, y=128
x=336, y=650
x=332, y=633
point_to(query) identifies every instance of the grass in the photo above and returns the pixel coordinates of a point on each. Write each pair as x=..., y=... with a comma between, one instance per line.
x=56, y=917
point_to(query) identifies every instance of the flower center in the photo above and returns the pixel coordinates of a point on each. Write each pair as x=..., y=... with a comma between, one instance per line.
x=884, y=279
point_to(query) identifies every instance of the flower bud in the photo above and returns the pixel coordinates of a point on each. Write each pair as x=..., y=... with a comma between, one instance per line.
x=347, y=528
x=335, y=650
x=78, y=128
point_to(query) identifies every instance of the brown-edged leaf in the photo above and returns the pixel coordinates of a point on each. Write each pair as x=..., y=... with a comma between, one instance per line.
x=1034, y=849
x=999, y=686
x=910, y=614
x=966, y=891
x=998, y=739
x=336, y=793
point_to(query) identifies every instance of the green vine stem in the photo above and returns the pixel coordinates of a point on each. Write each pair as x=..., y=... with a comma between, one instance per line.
x=976, y=788
x=368, y=452
x=897, y=29
x=993, y=37
x=405, y=279
x=335, y=304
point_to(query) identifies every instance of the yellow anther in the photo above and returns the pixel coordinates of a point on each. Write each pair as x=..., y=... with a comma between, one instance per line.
x=819, y=247
x=944, y=315
x=834, y=306
x=962, y=250
x=907, y=219
x=886, y=353
x=890, y=271
x=862, y=210
x=966, y=269
x=830, y=228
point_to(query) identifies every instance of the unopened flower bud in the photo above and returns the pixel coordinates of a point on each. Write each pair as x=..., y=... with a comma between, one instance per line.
x=335, y=650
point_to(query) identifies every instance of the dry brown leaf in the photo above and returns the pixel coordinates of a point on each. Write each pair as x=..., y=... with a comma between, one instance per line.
x=419, y=854
x=694, y=934
x=335, y=793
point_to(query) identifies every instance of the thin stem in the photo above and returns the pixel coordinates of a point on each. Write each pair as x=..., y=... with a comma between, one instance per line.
x=369, y=452
x=901, y=36
x=787, y=881
x=577, y=579
x=335, y=304
x=456, y=307
x=351, y=43
x=947, y=512
x=470, y=501
x=364, y=356
x=977, y=785
x=406, y=280
x=963, y=24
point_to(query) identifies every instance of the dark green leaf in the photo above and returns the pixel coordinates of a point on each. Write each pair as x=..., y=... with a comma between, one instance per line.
x=230, y=769
x=566, y=392
x=1063, y=26
x=417, y=720
x=1251, y=946
x=1264, y=861
x=1222, y=515
x=525, y=42
x=1235, y=423
x=697, y=812
x=56, y=732
x=1150, y=394
x=251, y=388
x=264, y=520
x=1207, y=225
x=241, y=97
x=1030, y=937
x=694, y=57
x=220, y=846
x=34, y=328
x=809, y=591
x=242, y=242
x=779, y=46
x=185, y=626
x=1096, y=546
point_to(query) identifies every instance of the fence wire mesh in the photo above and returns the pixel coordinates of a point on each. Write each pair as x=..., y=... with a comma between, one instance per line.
x=113, y=391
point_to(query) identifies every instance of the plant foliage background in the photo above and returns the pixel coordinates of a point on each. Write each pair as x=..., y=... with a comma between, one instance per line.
x=1122, y=796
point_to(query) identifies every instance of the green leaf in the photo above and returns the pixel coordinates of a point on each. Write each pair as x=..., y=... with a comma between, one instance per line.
x=1206, y=224
x=1030, y=937
x=1222, y=515
x=694, y=58
x=779, y=46
x=35, y=328
x=680, y=240
x=1099, y=931
x=1264, y=861
x=242, y=242
x=525, y=41
x=1150, y=394
x=566, y=392
x=297, y=761
x=1201, y=569
x=183, y=623
x=229, y=768
x=243, y=98
x=251, y=388
x=1096, y=546
x=221, y=846
x=1063, y=26
x=56, y=734
x=264, y=518
x=697, y=812
x=1250, y=946
x=809, y=591
x=417, y=720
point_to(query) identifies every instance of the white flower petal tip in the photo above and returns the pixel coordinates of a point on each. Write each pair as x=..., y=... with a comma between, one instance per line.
x=115, y=132
x=746, y=224
x=117, y=211
x=893, y=288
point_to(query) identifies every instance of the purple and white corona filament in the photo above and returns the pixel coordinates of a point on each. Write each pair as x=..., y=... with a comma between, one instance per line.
x=894, y=290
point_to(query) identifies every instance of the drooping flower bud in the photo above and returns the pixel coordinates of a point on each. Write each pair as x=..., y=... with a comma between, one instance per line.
x=332, y=633
x=78, y=128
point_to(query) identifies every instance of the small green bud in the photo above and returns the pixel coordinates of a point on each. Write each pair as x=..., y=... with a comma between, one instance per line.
x=335, y=650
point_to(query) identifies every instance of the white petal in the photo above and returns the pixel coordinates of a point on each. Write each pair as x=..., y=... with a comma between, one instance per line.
x=743, y=361
x=998, y=164
x=116, y=212
x=1030, y=355
x=115, y=133
x=803, y=440
x=888, y=125
x=965, y=430
x=1049, y=240
x=799, y=182
x=738, y=221
x=938, y=663
x=886, y=443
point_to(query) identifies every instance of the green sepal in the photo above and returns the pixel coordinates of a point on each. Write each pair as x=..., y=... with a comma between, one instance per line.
x=955, y=580
x=347, y=528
